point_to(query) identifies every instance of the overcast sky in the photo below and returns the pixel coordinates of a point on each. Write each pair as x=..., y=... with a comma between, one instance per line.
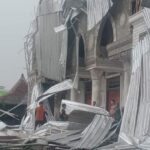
x=15, y=18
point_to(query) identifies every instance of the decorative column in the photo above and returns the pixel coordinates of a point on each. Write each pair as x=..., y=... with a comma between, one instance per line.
x=96, y=75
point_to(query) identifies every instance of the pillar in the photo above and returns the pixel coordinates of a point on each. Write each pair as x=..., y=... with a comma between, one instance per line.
x=78, y=95
x=73, y=94
x=104, y=92
x=127, y=74
x=96, y=75
x=81, y=92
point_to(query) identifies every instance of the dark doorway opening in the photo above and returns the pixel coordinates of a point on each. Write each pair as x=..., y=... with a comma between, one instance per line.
x=88, y=92
x=81, y=52
x=113, y=91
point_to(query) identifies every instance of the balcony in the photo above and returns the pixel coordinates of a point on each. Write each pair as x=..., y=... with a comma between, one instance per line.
x=120, y=49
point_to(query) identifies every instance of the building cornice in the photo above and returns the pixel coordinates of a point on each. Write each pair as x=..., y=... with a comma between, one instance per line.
x=107, y=65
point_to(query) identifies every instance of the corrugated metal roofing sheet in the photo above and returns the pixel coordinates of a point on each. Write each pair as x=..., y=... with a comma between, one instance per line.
x=137, y=105
x=146, y=14
x=96, y=10
x=90, y=138
x=96, y=133
x=49, y=44
x=118, y=147
x=52, y=5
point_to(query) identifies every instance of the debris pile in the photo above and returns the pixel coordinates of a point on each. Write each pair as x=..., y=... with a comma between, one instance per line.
x=66, y=135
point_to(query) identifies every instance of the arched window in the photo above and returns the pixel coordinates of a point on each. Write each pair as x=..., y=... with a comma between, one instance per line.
x=105, y=37
x=107, y=34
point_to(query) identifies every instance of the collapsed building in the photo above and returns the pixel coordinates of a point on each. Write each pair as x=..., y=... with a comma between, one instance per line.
x=89, y=42
x=80, y=52
x=92, y=51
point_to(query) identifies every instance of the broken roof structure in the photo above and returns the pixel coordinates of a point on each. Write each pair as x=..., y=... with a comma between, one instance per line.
x=63, y=135
x=89, y=138
x=84, y=121
x=90, y=51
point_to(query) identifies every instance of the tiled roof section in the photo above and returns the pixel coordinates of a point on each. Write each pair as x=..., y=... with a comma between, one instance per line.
x=18, y=92
x=20, y=88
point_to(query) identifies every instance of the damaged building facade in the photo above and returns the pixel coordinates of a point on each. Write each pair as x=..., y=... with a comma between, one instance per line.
x=81, y=52
x=87, y=41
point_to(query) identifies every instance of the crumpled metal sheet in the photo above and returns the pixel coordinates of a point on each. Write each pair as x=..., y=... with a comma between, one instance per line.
x=89, y=138
x=60, y=135
x=52, y=6
x=48, y=44
x=135, y=129
x=63, y=125
x=82, y=113
x=75, y=106
x=64, y=138
x=95, y=133
x=96, y=10
x=117, y=146
x=62, y=86
x=74, y=3
x=146, y=14
x=58, y=5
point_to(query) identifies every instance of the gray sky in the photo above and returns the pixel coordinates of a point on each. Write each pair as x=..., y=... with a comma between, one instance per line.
x=15, y=18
